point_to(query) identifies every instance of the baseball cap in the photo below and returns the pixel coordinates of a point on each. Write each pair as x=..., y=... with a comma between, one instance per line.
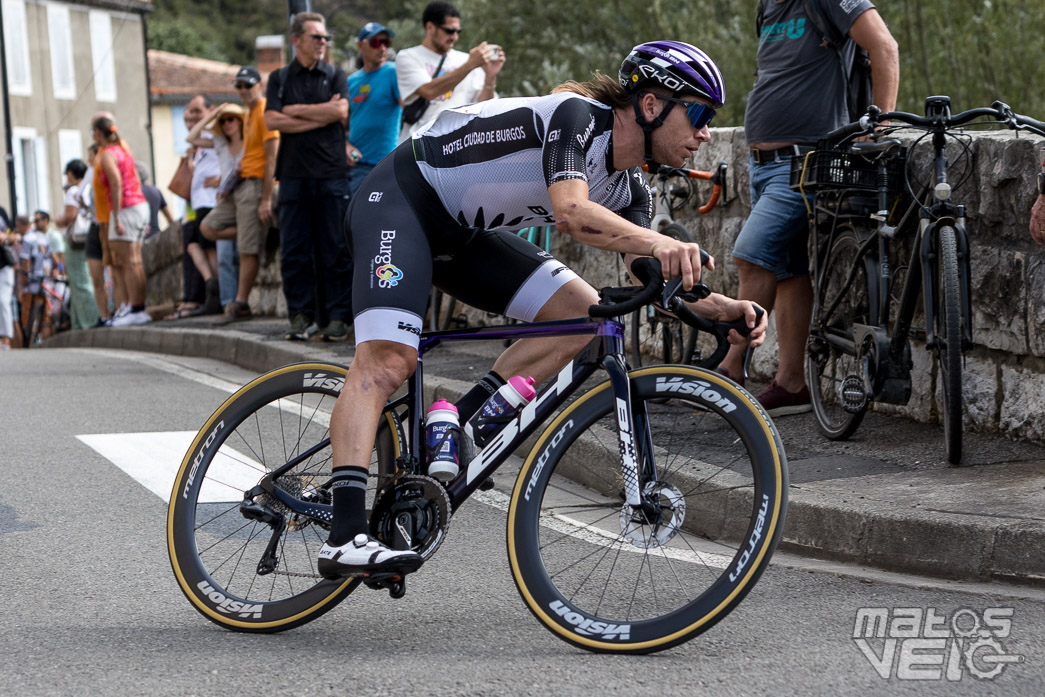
x=373, y=29
x=248, y=74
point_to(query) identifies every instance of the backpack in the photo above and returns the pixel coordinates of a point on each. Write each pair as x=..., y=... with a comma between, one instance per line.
x=857, y=74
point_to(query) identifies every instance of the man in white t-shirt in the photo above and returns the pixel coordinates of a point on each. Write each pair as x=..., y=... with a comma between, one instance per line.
x=464, y=78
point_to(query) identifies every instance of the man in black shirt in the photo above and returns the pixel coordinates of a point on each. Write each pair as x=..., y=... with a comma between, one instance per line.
x=307, y=102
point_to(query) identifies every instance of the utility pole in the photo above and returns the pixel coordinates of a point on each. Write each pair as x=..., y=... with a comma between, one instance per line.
x=9, y=156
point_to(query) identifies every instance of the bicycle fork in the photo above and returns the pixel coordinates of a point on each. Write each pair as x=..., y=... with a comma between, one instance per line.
x=627, y=424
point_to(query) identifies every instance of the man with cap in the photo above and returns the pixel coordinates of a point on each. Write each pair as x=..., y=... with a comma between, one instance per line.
x=245, y=213
x=374, y=105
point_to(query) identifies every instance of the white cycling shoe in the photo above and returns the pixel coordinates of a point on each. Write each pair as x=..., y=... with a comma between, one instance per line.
x=363, y=555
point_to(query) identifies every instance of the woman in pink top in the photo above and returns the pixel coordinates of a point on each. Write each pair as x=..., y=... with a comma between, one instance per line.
x=128, y=218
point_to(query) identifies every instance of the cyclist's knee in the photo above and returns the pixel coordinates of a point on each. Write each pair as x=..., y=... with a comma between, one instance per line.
x=384, y=365
x=572, y=300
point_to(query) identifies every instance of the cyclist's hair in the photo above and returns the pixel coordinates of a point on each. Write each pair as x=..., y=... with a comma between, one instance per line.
x=297, y=27
x=78, y=168
x=602, y=88
x=106, y=126
x=437, y=12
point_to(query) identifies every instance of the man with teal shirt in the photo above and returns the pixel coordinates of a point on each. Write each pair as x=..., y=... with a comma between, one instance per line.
x=374, y=107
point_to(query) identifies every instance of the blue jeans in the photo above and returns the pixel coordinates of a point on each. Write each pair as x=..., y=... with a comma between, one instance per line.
x=775, y=235
x=228, y=270
x=314, y=257
x=356, y=175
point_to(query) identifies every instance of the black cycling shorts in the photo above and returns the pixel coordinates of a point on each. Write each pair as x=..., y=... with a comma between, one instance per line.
x=403, y=242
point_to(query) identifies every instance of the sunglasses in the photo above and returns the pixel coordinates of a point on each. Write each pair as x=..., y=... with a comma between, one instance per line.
x=243, y=85
x=379, y=41
x=227, y=119
x=322, y=37
x=451, y=30
x=700, y=115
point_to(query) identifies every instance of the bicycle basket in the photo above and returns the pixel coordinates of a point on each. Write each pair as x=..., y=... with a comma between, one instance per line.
x=828, y=168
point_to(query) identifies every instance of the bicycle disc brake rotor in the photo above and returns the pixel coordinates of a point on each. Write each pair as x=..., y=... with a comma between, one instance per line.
x=658, y=522
x=413, y=511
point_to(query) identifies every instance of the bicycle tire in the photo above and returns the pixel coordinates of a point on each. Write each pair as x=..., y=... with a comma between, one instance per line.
x=657, y=337
x=441, y=310
x=214, y=550
x=36, y=320
x=566, y=516
x=827, y=365
x=949, y=341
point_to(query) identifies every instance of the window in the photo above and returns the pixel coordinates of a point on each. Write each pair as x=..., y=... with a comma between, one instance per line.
x=31, y=187
x=16, y=47
x=70, y=147
x=59, y=35
x=102, y=56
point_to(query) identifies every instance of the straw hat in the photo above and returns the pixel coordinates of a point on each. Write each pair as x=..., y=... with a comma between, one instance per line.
x=229, y=110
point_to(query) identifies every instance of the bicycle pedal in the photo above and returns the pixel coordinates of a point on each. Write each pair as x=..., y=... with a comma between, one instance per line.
x=392, y=581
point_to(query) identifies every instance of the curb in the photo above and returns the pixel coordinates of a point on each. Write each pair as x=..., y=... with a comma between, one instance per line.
x=822, y=521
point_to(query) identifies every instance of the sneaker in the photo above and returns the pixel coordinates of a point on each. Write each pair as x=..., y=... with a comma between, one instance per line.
x=302, y=328
x=364, y=555
x=779, y=402
x=131, y=318
x=335, y=331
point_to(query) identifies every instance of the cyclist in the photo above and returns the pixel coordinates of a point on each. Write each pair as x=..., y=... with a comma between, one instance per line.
x=442, y=209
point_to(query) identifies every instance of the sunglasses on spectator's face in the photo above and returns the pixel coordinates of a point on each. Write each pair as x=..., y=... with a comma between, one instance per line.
x=322, y=37
x=379, y=41
x=227, y=119
x=243, y=85
x=452, y=30
x=699, y=115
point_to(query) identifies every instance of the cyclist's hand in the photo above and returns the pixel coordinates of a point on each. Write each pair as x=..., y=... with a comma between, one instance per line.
x=1037, y=220
x=478, y=55
x=679, y=260
x=746, y=309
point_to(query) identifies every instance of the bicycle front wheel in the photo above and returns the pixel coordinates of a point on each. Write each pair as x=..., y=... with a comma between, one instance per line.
x=949, y=341
x=836, y=376
x=252, y=567
x=609, y=578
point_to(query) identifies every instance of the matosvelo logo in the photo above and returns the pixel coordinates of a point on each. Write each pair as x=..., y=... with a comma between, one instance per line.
x=388, y=275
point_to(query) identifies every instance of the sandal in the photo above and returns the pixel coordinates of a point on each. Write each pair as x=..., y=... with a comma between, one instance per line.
x=185, y=312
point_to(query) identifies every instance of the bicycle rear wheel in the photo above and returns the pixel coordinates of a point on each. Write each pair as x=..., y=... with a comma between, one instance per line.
x=949, y=341
x=239, y=568
x=657, y=337
x=832, y=364
x=609, y=578
x=36, y=322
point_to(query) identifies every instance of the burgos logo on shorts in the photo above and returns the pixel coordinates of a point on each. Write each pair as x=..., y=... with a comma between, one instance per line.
x=388, y=274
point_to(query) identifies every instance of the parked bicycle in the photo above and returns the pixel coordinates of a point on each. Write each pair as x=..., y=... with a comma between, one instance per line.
x=867, y=203
x=48, y=313
x=656, y=335
x=633, y=525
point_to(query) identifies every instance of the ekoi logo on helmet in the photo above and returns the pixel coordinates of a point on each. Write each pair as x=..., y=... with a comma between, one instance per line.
x=388, y=275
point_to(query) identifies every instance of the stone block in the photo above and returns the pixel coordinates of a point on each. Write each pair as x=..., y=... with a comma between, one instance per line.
x=1022, y=412
x=1035, y=298
x=1000, y=300
x=980, y=392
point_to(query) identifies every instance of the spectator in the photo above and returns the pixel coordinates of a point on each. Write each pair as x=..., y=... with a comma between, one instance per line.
x=157, y=204
x=83, y=311
x=101, y=210
x=128, y=217
x=8, y=265
x=245, y=213
x=799, y=95
x=93, y=246
x=54, y=264
x=1037, y=211
x=374, y=108
x=308, y=104
x=444, y=76
x=34, y=254
x=201, y=293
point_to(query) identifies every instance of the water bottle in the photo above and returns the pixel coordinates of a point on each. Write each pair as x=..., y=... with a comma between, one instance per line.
x=499, y=409
x=441, y=431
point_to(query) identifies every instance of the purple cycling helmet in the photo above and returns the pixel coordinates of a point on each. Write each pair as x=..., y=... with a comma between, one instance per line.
x=680, y=67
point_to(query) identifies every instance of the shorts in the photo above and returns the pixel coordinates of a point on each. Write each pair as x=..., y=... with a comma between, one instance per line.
x=403, y=243
x=93, y=246
x=775, y=235
x=135, y=222
x=241, y=209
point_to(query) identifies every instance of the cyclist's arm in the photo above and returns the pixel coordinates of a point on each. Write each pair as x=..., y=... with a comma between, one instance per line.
x=870, y=33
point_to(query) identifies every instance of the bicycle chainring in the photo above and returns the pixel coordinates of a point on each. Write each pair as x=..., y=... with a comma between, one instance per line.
x=413, y=512
x=657, y=523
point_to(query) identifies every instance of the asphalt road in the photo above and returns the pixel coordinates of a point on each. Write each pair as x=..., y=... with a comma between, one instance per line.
x=90, y=606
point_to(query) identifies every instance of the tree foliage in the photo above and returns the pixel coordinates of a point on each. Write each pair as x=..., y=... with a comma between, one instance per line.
x=974, y=50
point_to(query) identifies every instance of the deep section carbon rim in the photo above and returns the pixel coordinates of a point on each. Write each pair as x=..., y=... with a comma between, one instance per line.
x=252, y=568
x=610, y=578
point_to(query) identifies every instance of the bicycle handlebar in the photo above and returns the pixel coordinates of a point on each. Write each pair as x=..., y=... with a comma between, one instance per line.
x=717, y=178
x=939, y=122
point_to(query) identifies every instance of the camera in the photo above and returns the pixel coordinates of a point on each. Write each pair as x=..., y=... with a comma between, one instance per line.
x=493, y=52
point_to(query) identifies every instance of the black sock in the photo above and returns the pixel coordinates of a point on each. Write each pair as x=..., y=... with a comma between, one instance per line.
x=137, y=308
x=348, y=489
x=477, y=396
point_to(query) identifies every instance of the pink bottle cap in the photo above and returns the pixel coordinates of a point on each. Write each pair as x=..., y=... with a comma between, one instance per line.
x=524, y=386
x=442, y=404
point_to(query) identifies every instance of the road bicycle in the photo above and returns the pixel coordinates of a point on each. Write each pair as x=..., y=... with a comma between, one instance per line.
x=868, y=203
x=633, y=525
x=656, y=335
x=49, y=309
